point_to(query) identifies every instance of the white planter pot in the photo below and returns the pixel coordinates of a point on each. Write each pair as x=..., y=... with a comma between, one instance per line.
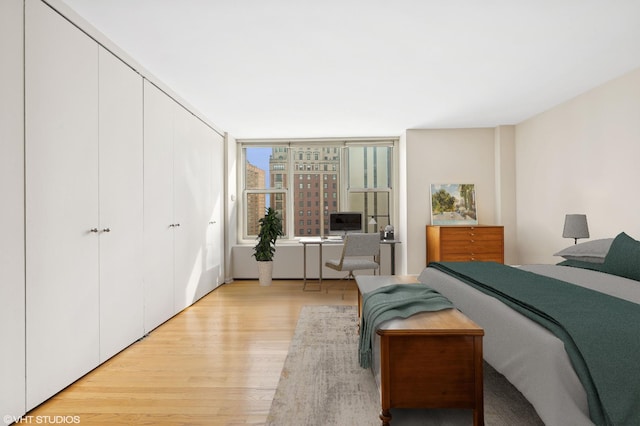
x=265, y=270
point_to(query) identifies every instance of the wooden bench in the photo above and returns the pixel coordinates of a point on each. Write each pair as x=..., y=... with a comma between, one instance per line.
x=429, y=360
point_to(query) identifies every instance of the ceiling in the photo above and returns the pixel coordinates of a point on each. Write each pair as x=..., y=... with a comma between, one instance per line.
x=344, y=68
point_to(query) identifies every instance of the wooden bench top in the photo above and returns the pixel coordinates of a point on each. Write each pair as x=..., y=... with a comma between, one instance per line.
x=447, y=321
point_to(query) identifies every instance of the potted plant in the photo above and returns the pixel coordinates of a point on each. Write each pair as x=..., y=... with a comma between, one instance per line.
x=270, y=230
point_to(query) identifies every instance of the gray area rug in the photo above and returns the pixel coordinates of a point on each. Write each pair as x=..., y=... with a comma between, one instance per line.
x=322, y=383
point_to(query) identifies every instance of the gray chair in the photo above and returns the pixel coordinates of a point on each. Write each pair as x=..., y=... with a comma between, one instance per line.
x=360, y=252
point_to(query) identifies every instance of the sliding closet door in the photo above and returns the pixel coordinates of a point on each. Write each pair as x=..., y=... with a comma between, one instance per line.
x=159, y=224
x=12, y=312
x=121, y=202
x=61, y=106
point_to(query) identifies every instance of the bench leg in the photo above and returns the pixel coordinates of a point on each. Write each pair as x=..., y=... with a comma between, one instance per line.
x=385, y=416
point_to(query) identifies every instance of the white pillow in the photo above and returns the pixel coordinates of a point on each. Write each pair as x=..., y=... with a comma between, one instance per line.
x=591, y=251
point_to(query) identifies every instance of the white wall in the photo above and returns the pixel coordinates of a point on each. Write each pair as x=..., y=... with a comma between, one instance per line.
x=403, y=206
x=445, y=156
x=582, y=156
x=505, y=173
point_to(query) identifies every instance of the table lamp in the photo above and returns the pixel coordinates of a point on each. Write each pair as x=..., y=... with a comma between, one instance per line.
x=575, y=226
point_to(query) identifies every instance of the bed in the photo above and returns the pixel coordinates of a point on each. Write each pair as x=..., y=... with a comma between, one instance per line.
x=532, y=358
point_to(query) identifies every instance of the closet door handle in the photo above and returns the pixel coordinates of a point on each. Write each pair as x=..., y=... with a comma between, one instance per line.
x=94, y=230
x=106, y=230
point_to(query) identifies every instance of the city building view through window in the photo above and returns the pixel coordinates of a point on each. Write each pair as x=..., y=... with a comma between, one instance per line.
x=304, y=183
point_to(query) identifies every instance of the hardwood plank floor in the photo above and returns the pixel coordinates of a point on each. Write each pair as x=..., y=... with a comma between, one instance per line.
x=216, y=363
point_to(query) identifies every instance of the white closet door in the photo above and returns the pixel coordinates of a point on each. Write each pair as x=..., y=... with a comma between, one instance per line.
x=208, y=276
x=61, y=104
x=158, y=207
x=121, y=203
x=215, y=231
x=189, y=168
x=12, y=328
x=218, y=205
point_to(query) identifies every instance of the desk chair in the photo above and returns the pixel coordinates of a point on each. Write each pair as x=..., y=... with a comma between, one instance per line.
x=356, y=253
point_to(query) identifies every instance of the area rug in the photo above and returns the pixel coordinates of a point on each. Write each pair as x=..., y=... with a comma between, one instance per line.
x=322, y=383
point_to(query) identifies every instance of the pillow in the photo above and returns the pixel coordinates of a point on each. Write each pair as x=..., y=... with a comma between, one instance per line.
x=623, y=258
x=583, y=265
x=592, y=251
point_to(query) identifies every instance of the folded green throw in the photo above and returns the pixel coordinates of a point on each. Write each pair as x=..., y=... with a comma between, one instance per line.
x=394, y=301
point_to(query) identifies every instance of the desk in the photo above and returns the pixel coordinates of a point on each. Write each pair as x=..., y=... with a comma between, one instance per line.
x=319, y=242
x=333, y=241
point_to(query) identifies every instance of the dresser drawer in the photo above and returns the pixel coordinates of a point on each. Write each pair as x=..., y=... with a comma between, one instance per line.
x=471, y=247
x=472, y=257
x=470, y=234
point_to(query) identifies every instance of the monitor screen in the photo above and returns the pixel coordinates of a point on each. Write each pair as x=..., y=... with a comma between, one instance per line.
x=343, y=222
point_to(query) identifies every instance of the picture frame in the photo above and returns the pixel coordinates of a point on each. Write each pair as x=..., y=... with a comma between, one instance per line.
x=453, y=204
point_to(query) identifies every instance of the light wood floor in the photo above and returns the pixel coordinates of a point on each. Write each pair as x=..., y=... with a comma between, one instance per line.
x=216, y=363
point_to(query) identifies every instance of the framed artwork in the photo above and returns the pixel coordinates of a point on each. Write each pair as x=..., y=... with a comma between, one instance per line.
x=453, y=204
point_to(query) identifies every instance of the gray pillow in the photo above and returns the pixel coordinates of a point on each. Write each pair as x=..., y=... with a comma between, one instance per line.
x=591, y=251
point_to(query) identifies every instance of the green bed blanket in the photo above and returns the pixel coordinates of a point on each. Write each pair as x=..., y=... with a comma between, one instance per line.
x=601, y=333
x=394, y=301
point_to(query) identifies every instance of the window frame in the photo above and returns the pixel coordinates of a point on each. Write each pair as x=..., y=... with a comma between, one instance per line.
x=373, y=190
x=294, y=186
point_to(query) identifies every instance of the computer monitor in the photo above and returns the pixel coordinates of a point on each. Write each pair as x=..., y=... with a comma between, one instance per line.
x=343, y=222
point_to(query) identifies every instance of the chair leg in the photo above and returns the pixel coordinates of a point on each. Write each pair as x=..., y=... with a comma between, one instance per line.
x=346, y=281
x=343, y=278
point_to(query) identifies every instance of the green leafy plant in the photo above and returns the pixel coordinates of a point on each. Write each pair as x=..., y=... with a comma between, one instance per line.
x=270, y=230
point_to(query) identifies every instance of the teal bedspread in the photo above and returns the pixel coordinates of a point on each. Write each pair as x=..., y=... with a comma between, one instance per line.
x=601, y=333
x=394, y=301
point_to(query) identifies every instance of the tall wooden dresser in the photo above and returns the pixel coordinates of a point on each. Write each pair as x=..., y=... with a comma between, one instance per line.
x=481, y=243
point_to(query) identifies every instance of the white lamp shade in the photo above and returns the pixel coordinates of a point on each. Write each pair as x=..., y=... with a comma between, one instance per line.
x=575, y=226
x=372, y=221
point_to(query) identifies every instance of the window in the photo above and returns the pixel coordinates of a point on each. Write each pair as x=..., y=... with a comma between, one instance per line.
x=265, y=185
x=355, y=176
x=370, y=177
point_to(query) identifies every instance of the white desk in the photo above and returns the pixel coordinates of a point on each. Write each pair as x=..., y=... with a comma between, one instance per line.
x=335, y=241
